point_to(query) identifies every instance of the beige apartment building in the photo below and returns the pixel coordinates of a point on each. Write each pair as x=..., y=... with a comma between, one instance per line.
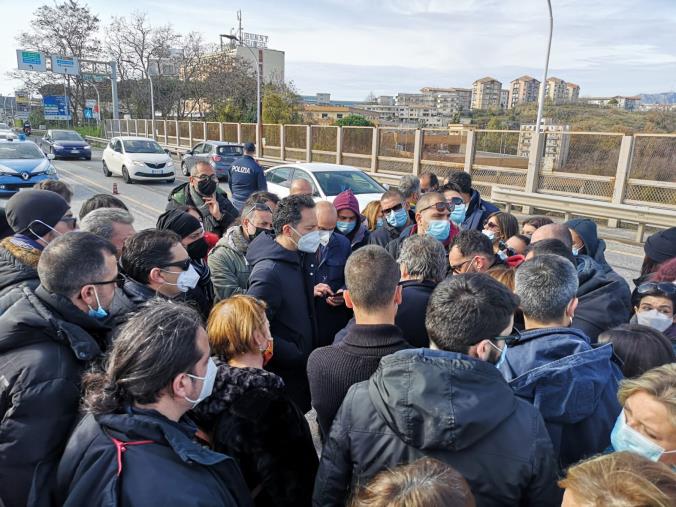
x=572, y=92
x=486, y=93
x=556, y=90
x=523, y=90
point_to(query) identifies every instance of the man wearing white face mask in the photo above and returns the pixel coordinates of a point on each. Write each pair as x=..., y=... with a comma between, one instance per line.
x=282, y=269
x=656, y=307
x=155, y=264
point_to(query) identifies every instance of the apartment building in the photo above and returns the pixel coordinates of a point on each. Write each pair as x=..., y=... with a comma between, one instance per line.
x=618, y=101
x=486, y=93
x=504, y=99
x=556, y=90
x=557, y=144
x=328, y=114
x=572, y=92
x=450, y=100
x=523, y=90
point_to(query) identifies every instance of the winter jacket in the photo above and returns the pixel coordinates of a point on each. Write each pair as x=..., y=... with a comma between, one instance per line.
x=184, y=194
x=229, y=268
x=252, y=419
x=333, y=370
x=593, y=246
x=394, y=246
x=478, y=211
x=604, y=299
x=359, y=236
x=387, y=233
x=572, y=384
x=443, y=405
x=46, y=343
x=18, y=265
x=139, y=457
x=411, y=312
x=245, y=177
x=330, y=270
x=278, y=278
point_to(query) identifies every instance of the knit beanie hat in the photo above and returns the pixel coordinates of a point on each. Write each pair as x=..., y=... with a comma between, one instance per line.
x=27, y=206
x=347, y=200
x=661, y=246
x=181, y=222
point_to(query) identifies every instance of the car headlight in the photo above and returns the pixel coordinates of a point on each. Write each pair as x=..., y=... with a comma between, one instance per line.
x=58, y=146
x=87, y=147
x=139, y=163
x=51, y=171
x=170, y=163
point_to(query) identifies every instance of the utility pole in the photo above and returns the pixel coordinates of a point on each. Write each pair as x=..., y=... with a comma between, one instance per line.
x=113, y=89
x=543, y=85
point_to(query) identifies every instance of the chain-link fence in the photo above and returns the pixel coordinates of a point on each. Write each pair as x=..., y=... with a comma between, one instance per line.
x=184, y=134
x=443, y=151
x=357, y=146
x=654, y=162
x=198, y=132
x=160, y=130
x=295, y=141
x=395, y=150
x=213, y=131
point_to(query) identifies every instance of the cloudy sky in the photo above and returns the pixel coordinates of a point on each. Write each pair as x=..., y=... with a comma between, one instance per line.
x=352, y=47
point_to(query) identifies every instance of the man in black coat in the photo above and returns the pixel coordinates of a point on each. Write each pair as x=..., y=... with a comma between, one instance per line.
x=48, y=337
x=448, y=402
x=278, y=278
x=398, y=217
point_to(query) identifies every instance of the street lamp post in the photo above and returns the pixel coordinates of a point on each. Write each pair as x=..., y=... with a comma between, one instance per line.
x=152, y=103
x=259, y=133
x=543, y=85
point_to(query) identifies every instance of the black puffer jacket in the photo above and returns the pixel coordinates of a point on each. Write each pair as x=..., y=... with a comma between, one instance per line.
x=18, y=265
x=45, y=344
x=448, y=406
x=139, y=457
x=253, y=420
x=278, y=278
x=411, y=312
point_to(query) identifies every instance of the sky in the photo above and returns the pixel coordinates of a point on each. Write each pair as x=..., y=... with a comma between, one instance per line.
x=350, y=48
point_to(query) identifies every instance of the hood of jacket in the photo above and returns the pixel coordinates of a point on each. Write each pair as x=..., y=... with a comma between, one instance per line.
x=235, y=240
x=17, y=263
x=440, y=400
x=559, y=371
x=587, y=230
x=264, y=247
x=52, y=317
x=232, y=384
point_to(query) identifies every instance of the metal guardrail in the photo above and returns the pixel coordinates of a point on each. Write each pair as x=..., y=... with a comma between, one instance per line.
x=641, y=215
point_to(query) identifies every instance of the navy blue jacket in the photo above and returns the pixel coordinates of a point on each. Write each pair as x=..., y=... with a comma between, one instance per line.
x=572, y=384
x=411, y=312
x=278, y=277
x=478, y=211
x=245, y=177
x=448, y=406
x=161, y=465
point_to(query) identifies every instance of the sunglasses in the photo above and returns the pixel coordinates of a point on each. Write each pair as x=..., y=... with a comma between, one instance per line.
x=511, y=339
x=184, y=264
x=259, y=206
x=205, y=177
x=455, y=201
x=118, y=280
x=72, y=221
x=440, y=207
x=396, y=207
x=666, y=288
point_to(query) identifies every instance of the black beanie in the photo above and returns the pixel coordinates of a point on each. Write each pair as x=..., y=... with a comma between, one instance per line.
x=661, y=246
x=26, y=206
x=181, y=222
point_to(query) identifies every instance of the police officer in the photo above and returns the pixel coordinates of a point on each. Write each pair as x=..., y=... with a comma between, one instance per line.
x=246, y=177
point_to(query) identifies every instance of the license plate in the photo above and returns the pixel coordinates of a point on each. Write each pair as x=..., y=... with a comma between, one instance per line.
x=157, y=171
x=75, y=151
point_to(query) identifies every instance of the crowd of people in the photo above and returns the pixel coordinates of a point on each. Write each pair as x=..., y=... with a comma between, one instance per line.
x=429, y=350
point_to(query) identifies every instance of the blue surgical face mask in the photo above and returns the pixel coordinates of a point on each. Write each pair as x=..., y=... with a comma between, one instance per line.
x=576, y=251
x=379, y=223
x=397, y=218
x=346, y=227
x=458, y=213
x=489, y=234
x=439, y=229
x=626, y=438
x=502, y=352
x=100, y=312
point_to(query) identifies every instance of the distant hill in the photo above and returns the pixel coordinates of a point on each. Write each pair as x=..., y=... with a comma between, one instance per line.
x=658, y=98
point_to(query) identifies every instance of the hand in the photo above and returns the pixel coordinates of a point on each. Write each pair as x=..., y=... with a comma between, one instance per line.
x=321, y=290
x=214, y=208
x=337, y=300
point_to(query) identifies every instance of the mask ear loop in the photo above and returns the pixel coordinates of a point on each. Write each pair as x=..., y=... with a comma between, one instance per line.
x=37, y=235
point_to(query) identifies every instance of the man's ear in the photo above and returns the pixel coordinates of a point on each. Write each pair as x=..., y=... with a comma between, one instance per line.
x=181, y=386
x=154, y=275
x=572, y=306
x=398, y=295
x=348, y=299
x=481, y=350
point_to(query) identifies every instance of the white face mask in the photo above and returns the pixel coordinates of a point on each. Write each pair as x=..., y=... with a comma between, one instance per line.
x=186, y=279
x=207, y=382
x=489, y=234
x=324, y=237
x=654, y=319
x=309, y=242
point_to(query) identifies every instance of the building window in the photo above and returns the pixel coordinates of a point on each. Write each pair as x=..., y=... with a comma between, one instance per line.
x=339, y=115
x=325, y=115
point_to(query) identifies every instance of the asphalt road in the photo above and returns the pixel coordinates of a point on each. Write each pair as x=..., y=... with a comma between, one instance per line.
x=148, y=200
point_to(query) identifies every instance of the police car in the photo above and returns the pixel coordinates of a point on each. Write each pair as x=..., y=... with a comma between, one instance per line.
x=22, y=165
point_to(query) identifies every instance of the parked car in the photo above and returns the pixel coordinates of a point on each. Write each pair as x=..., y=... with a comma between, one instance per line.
x=65, y=144
x=219, y=154
x=6, y=132
x=327, y=180
x=22, y=165
x=137, y=159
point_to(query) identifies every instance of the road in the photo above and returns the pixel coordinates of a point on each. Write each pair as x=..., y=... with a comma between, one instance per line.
x=148, y=200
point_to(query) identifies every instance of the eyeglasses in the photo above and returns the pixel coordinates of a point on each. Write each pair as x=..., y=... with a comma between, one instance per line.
x=455, y=201
x=511, y=339
x=456, y=269
x=492, y=225
x=395, y=208
x=439, y=206
x=184, y=264
x=71, y=221
x=118, y=280
x=666, y=288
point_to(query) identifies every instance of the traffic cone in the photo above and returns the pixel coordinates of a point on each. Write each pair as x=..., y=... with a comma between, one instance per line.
x=115, y=192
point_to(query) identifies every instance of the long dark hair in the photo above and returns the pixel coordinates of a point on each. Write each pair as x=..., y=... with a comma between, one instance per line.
x=157, y=343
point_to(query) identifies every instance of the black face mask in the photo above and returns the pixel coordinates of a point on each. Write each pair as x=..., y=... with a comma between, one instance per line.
x=198, y=250
x=259, y=230
x=206, y=187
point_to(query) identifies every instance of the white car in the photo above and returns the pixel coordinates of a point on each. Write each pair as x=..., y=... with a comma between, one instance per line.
x=137, y=159
x=327, y=180
x=6, y=132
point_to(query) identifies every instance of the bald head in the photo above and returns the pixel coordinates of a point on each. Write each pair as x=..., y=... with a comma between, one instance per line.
x=326, y=216
x=553, y=231
x=300, y=187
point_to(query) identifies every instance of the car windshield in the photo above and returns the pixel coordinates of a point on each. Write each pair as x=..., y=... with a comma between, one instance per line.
x=141, y=146
x=230, y=151
x=4, y=126
x=335, y=182
x=66, y=135
x=16, y=150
